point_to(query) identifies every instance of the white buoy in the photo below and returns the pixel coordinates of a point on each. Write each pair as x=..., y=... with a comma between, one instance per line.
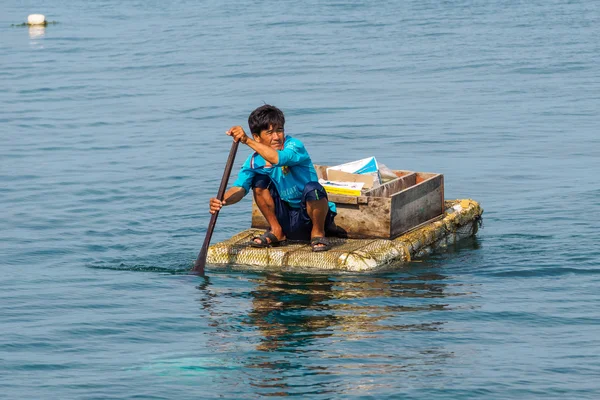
x=36, y=19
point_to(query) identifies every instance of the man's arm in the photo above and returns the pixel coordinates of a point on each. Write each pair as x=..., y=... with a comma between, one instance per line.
x=267, y=152
x=232, y=196
x=294, y=153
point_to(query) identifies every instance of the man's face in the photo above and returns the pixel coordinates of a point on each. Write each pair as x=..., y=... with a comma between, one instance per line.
x=274, y=137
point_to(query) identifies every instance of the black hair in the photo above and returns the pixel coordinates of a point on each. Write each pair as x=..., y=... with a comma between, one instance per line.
x=264, y=116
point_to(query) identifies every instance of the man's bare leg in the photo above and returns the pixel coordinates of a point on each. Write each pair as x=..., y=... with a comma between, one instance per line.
x=317, y=212
x=266, y=205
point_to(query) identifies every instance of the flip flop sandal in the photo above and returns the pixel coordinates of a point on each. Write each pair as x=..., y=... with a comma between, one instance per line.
x=319, y=240
x=263, y=241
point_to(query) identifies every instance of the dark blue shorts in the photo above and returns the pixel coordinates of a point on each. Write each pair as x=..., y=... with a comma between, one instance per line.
x=295, y=222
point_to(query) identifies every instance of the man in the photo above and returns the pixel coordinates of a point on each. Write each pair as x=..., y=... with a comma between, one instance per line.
x=284, y=182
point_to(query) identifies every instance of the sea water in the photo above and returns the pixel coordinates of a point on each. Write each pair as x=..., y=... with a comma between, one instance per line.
x=112, y=141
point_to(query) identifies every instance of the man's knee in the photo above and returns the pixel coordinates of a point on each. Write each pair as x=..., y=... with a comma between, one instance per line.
x=258, y=191
x=261, y=185
x=313, y=191
x=262, y=195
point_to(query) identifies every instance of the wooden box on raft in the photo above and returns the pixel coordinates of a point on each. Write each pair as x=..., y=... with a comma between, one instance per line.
x=387, y=211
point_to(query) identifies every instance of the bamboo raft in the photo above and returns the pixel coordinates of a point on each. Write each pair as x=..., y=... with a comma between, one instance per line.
x=460, y=219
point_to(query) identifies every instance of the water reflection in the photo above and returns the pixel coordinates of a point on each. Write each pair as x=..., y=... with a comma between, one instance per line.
x=343, y=327
x=37, y=32
x=291, y=311
x=345, y=334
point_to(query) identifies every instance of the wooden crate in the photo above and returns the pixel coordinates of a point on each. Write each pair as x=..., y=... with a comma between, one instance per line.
x=388, y=211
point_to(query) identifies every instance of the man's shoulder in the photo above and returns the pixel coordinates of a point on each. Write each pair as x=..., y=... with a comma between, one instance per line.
x=293, y=142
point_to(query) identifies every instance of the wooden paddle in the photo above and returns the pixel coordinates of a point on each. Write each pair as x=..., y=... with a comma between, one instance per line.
x=201, y=260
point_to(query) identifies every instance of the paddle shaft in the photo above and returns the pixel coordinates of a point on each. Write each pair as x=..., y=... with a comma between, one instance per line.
x=201, y=260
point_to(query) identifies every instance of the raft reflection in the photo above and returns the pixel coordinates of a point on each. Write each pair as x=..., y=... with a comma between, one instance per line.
x=293, y=310
x=344, y=326
x=346, y=335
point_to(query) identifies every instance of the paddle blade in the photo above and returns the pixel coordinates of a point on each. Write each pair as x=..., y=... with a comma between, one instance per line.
x=200, y=262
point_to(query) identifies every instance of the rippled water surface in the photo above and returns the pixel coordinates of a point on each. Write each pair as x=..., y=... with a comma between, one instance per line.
x=111, y=127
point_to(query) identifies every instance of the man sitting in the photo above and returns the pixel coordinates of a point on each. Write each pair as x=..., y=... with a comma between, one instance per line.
x=284, y=182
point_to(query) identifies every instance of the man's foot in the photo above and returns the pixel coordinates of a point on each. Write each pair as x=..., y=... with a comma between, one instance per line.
x=267, y=239
x=320, y=243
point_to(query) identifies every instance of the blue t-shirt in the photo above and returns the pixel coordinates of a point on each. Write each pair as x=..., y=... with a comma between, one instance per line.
x=293, y=171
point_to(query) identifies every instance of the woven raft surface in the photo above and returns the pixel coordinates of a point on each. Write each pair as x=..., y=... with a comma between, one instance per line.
x=353, y=255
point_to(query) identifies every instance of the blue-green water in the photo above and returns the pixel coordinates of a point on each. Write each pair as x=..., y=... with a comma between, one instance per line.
x=111, y=128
